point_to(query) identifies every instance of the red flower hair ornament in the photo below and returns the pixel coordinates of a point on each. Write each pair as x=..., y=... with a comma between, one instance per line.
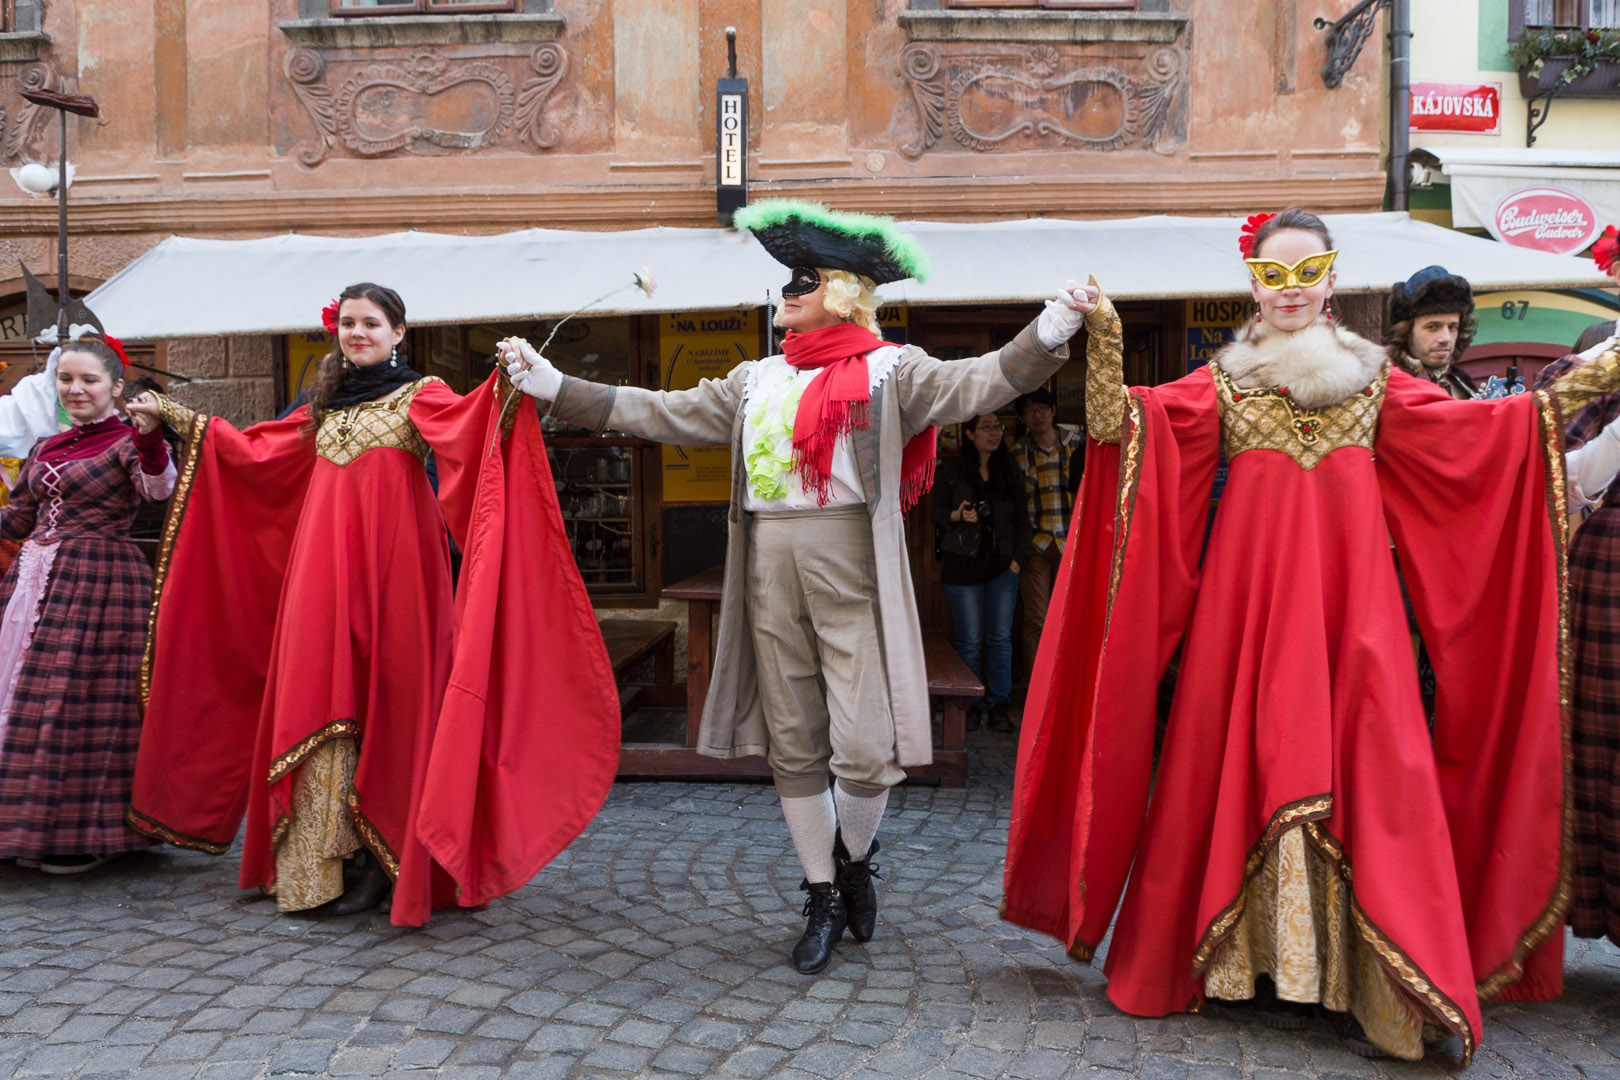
x=1607, y=249
x=329, y=316
x=1247, y=233
x=118, y=347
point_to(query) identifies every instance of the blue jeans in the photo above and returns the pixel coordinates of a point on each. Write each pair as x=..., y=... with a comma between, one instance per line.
x=983, y=615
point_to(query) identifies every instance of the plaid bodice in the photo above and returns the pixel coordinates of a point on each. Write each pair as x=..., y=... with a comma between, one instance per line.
x=93, y=496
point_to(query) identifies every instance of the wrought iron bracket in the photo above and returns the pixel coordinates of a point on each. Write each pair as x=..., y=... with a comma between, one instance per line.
x=1346, y=37
x=1539, y=107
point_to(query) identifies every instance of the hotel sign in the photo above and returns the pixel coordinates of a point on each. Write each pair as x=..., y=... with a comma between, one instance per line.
x=731, y=138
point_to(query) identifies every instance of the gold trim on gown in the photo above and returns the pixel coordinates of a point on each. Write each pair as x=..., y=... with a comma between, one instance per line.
x=319, y=831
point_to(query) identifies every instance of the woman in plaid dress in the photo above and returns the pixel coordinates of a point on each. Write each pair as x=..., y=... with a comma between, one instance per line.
x=1594, y=626
x=74, y=625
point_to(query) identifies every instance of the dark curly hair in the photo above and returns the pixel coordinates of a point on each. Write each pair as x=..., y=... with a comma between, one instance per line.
x=1398, y=341
x=333, y=366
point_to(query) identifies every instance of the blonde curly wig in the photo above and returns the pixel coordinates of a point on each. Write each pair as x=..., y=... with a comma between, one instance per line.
x=849, y=296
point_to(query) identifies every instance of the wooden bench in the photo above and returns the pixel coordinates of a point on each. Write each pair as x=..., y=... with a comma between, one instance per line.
x=629, y=642
x=951, y=686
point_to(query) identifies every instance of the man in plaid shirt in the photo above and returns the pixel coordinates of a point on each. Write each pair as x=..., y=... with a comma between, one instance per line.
x=1052, y=457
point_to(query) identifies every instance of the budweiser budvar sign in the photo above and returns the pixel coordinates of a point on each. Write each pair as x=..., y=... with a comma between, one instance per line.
x=1547, y=219
x=1475, y=108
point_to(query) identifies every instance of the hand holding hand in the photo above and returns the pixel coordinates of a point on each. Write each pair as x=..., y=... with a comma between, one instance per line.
x=529, y=371
x=145, y=413
x=1083, y=298
x=1065, y=312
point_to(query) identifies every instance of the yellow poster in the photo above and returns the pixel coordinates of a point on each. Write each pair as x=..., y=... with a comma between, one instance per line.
x=304, y=353
x=692, y=348
x=1211, y=324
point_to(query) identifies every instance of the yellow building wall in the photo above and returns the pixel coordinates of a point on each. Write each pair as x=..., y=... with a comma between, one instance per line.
x=1456, y=41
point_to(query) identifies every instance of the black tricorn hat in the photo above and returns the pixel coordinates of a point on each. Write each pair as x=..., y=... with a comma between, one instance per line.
x=1432, y=290
x=807, y=234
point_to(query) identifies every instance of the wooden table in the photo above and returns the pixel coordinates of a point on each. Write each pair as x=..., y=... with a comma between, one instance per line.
x=701, y=592
x=950, y=683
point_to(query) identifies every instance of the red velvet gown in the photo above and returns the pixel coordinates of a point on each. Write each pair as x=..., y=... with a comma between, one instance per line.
x=1297, y=705
x=305, y=595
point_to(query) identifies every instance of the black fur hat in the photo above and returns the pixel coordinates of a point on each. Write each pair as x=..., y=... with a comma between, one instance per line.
x=1431, y=290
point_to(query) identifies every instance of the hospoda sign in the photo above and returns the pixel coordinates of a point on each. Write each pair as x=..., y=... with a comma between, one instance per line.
x=1472, y=108
x=1545, y=218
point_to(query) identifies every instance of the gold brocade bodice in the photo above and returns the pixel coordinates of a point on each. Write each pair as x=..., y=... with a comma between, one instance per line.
x=1267, y=418
x=347, y=433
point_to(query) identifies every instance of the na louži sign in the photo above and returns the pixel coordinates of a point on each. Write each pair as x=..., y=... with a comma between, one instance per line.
x=1472, y=108
x=1545, y=218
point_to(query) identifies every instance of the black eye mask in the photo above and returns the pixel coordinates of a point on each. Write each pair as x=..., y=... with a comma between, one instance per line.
x=805, y=281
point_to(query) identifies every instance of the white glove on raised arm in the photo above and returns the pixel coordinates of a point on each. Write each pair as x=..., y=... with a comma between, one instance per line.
x=1060, y=319
x=529, y=371
x=1591, y=468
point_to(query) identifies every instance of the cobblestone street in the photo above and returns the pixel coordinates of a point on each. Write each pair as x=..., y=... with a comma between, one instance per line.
x=655, y=946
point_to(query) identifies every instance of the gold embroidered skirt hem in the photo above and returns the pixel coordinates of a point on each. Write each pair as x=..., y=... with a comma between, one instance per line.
x=1297, y=928
x=319, y=831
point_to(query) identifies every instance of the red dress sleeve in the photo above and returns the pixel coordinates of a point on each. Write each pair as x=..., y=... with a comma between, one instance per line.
x=223, y=556
x=1085, y=758
x=527, y=742
x=1474, y=493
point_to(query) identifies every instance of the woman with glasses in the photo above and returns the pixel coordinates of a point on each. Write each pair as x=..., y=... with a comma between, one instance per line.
x=978, y=501
x=1306, y=843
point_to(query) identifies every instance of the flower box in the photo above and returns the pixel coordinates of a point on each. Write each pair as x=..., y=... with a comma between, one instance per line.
x=1601, y=82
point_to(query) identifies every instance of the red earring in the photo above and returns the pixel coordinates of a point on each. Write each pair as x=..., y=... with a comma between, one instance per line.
x=1327, y=308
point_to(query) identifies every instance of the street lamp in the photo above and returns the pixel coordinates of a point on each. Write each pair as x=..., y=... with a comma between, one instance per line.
x=37, y=179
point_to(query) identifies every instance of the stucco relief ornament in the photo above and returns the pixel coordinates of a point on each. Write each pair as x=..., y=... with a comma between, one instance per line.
x=305, y=68
x=428, y=102
x=549, y=62
x=1044, y=97
x=425, y=105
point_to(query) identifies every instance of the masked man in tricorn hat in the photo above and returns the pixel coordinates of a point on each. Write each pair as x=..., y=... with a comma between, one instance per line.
x=1431, y=324
x=819, y=659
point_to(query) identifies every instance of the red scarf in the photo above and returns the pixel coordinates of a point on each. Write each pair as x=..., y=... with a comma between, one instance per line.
x=838, y=403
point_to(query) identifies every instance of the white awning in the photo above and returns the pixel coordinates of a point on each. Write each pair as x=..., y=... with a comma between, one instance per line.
x=1481, y=177
x=194, y=288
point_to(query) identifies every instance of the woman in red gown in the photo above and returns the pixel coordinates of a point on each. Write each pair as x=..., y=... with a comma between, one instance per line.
x=310, y=665
x=1302, y=825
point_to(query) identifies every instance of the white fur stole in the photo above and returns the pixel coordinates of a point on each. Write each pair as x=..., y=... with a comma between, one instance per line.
x=1320, y=365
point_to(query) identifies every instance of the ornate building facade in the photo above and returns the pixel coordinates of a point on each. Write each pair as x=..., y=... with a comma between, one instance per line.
x=250, y=118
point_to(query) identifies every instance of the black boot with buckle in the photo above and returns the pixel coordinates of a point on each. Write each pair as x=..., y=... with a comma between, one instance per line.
x=825, y=919
x=860, y=892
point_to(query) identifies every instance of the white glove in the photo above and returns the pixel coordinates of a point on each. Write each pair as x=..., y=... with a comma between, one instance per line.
x=1592, y=468
x=529, y=371
x=1060, y=319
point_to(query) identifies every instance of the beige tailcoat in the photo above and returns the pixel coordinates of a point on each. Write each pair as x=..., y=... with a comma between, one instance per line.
x=921, y=392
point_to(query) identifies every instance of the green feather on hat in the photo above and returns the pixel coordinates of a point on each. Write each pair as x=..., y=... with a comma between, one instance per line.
x=798, y=233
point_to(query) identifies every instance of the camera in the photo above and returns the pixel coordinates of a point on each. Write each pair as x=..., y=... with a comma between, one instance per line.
x=983, y=508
